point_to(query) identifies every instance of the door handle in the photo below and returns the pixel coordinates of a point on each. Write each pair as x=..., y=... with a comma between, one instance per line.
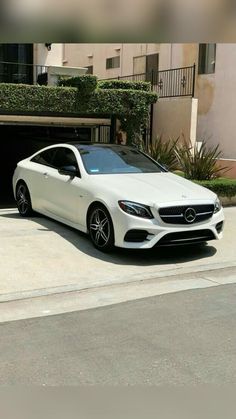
x=45, y=175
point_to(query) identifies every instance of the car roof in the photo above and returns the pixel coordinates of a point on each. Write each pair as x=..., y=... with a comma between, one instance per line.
x=89, y=143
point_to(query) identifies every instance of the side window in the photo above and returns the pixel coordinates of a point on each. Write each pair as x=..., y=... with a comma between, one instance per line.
x=64, y=157
x=45, y=157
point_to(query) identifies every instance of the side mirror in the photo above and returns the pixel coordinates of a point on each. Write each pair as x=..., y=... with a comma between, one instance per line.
x=71, y=171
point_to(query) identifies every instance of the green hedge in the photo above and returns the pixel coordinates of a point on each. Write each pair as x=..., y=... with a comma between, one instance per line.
x=222, y=186
x=86, y=84
x=121, y=102
x=130, y=106
x=25, y=98
x=125, y=84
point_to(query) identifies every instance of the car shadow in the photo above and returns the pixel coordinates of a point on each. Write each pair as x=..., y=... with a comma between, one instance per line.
x=147, y=257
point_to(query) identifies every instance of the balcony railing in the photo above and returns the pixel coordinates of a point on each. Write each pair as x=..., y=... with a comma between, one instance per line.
x=175, y=82
x=22, y=73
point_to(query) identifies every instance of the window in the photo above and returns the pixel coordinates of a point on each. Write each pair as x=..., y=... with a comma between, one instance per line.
x=139, y=64
x=17, y=56
x=152, y=64
x=207, y=58
x=64, y=157
x=89, y=69
x=45, y=157
x=112, y=160
x=146, y=64
x=113, y=62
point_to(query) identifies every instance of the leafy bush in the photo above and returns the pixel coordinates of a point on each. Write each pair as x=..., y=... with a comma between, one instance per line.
x=164, y=152
x=86, y=84
x=125, y=84
x=161, y=151
x=222, y=187
x=199, y=163
x=130, y=106
x=49, y=99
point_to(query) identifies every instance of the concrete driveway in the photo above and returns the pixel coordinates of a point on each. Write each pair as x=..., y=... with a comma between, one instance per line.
x=40, y=257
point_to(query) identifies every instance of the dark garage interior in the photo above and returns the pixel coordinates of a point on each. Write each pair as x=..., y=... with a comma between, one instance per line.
x=19, y=142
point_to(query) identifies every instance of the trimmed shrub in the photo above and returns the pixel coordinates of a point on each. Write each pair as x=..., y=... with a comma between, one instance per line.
x=221, y=186
x=25, y=98
x=125, y=84
x=85, y=84
x=130, y=106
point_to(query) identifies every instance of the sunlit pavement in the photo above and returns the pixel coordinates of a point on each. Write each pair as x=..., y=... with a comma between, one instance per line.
x=48, y=268
x=185, y=338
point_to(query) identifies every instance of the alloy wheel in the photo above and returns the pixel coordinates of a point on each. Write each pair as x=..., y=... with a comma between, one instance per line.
x=23, y=200
x=101, y=229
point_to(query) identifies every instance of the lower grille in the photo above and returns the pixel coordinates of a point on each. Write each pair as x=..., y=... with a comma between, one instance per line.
x=176, y=215
x=219, y=227
x=186, y=237
x=136, y=236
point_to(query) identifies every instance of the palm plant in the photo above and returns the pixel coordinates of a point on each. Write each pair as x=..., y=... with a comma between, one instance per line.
x=164, y=152
x=199, y=163
x=161, y=150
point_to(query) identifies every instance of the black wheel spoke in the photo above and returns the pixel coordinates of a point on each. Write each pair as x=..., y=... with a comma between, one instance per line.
x=99, y=227
x=23, y=200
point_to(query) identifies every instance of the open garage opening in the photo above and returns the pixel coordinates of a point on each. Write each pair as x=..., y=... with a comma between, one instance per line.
x=20, y=141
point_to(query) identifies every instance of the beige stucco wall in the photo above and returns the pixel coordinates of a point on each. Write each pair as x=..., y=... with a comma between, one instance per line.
x=217, y=102
x=96, y=54
x=44, y=57
x=175, y=117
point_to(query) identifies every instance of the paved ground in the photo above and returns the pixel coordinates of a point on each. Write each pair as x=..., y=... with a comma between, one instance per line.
x=40, y=257
x=184, y=338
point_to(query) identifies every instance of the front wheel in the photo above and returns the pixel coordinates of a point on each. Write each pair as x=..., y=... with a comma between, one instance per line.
x=101, y=229
x=23, y=200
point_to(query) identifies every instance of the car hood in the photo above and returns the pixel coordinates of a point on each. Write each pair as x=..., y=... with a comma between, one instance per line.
x=153, y=188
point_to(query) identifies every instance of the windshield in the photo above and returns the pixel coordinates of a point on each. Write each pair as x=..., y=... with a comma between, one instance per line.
x=118, y=159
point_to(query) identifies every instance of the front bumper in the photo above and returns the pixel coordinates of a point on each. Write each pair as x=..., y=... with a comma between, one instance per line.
x=163, y=234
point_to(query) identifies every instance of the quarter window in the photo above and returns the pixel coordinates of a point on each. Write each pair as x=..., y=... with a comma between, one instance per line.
x=45, y=157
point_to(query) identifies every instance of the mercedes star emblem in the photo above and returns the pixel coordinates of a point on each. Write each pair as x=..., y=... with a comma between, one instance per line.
x=190, y=215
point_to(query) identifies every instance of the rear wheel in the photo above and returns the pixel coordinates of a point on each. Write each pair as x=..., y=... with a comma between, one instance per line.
x=101, y=229
x=23, y=200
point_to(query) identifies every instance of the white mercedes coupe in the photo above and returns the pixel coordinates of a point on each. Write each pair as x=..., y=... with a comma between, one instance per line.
x=118, y=195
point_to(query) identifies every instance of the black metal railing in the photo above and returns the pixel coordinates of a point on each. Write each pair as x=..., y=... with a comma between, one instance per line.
x=22, y=73
x=175, y=82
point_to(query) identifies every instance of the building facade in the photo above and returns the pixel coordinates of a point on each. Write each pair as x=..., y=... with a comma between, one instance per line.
x=200, y=104
x=208, y=115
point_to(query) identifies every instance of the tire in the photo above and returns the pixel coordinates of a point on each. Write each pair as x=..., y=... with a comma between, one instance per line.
x=23, y=200
x=101, y=229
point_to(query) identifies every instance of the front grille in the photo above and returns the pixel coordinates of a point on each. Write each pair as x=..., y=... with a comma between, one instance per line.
x=175, y=215
x=186, y=237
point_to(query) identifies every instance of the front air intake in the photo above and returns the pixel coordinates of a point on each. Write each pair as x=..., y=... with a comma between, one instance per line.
x=136, y=236
x=186, y=237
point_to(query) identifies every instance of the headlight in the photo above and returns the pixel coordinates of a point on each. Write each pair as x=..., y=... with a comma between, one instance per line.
x=217, y=206
x=138, y=210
